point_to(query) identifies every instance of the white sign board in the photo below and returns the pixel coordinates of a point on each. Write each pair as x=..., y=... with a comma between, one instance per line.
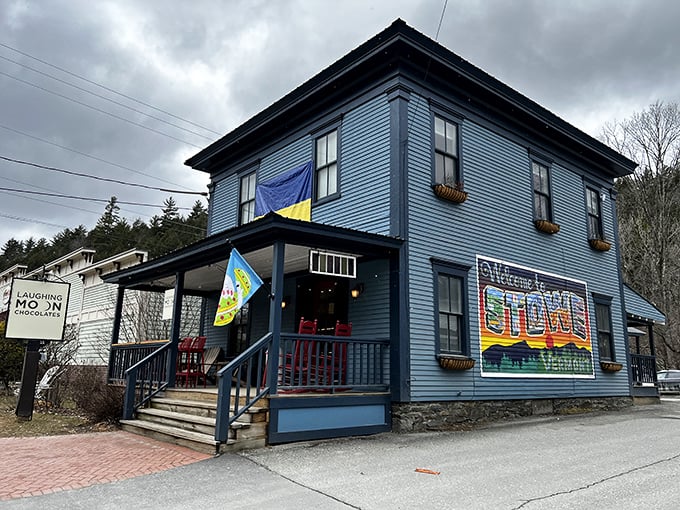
x=37, y=310
x=168, y=302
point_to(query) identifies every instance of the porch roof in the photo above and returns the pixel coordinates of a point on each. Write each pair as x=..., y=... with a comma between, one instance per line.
x=638, y=308
x=204, y=262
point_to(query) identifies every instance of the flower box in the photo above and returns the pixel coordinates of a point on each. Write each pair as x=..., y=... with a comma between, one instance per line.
x=610, y=366
x=547, y=226
x=599, y=244
x=455, y=362
x=450, y=193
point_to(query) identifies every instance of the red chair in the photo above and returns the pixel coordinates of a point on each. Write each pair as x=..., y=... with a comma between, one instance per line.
x=197, y=360
x=340, y=353
x=296, y=365
x=182, y=370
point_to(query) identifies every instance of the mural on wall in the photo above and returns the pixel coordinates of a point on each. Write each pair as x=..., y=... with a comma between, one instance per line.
x=532, y=323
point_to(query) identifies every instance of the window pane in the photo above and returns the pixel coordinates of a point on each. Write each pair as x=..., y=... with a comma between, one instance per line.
x=594, y=228
x=332, y=179
x=602, y=318
x=451, y=134
x=536, y=170
x=604, y=341
x=321, y=152
x=541, y=207
x=332, y=146
x=439, y=168
x=439, y=134
x=322, y=183
x=444, y=295
x=449, y=171
x=455, y=293
x=443, y=332
x=454, y=334
x=251, y=186
x=244, y=189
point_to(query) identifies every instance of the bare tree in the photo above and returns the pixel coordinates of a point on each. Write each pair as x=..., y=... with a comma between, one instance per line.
x=649, y=213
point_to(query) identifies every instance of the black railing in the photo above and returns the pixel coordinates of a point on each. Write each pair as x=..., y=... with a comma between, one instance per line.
x=125, y=355
x=145, y=379
x=321, y=363
x=643, y=369
x=246, y=373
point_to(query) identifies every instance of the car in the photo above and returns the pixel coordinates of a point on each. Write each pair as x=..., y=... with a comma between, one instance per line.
x=668, y=380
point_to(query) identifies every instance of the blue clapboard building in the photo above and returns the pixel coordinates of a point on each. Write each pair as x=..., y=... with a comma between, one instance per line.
x=436, y=248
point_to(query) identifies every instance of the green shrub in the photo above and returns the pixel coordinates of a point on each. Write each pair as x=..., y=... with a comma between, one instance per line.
x=11, y=361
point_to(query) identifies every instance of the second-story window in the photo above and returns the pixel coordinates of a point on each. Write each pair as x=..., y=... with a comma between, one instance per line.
x=594, y=214
x=247, y=198
x=605, y=340
x=326, y=165
x=542, y=201
x=446, y=170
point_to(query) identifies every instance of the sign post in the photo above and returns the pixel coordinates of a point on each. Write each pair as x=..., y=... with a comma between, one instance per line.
x=37, y=311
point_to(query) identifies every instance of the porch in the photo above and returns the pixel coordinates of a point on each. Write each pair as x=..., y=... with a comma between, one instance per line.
x=316, y=385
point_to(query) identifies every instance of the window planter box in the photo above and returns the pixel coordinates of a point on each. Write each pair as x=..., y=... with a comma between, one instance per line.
x=547, y=226
x=450, y=193
x=610, y=366
x=455, y=362
x=599, y=244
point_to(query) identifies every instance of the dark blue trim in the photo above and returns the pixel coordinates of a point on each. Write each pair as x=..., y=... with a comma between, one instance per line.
x=542, y=162
x=458, y=271
x=291, y=402
x=447, y=115
x=400, y=346
x=337, y=127
x=174, y=327
x=275, y=310
x=398, y=98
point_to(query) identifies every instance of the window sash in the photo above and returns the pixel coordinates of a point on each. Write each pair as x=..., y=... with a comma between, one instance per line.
x=594, y=214
x=450, y=304
x=604, y=333
x=326, y=165
x=446, y=151
x=247, y=198
x=541, y=185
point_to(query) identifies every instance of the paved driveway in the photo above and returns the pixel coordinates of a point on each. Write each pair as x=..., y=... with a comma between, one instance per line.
x=623, y=460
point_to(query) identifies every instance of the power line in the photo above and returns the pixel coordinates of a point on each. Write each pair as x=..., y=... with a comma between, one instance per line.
x=87, y=199
x=105, y=98
x=31, y=220
x=81, y=103
x=115, y=181
x=101, y=160
x=107, y=88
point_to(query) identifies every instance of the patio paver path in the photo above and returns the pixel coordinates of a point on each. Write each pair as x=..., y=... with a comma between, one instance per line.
x=31, y=466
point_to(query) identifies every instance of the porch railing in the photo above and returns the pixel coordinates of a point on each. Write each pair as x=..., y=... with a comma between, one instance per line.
x=145, y=379
x=643, y=369
x=321, y=363
x=125, y=355
x=246, y=374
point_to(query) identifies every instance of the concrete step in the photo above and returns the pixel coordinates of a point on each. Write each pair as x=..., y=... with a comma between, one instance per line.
x=205, y=408
x=195, y=440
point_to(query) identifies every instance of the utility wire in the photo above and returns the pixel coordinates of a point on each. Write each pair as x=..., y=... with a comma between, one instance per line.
x=107, y=88
x=105, y=98
x=81, y=103
x=31, y=220
x=115, y=181
x=87, y=199
x=101, y=160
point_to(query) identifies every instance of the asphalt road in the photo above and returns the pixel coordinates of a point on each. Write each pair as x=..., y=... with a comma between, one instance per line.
x=623, y=460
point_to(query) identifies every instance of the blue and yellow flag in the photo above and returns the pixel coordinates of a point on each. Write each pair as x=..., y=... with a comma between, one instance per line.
x=240, y=282
x=289, y=194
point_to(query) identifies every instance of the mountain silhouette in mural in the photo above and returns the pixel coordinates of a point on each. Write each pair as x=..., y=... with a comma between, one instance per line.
x=521, y=352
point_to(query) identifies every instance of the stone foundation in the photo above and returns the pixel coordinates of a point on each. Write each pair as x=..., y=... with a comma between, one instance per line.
x=462, y=415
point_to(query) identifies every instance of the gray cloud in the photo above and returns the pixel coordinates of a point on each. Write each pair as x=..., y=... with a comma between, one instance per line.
x=218, y=63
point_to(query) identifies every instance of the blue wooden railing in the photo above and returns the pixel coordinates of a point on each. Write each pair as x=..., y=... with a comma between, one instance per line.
x=124, y=355
x=643, y=369
x=246, y=373
x=145, y=379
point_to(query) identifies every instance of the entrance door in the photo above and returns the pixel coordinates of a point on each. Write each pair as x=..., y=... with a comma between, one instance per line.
x=323, y=298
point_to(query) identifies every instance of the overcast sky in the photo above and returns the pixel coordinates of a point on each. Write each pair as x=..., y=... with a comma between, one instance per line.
x=217, y=63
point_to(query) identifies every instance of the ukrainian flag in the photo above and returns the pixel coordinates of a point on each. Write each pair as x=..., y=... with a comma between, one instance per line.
x=240, y=283
x=289, y=194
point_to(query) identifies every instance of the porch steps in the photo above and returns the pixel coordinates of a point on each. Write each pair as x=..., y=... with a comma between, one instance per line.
x=187, y=418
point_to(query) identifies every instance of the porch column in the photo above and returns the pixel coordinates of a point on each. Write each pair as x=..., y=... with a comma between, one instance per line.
x=399, y=339
x=115, y=331
x=174, y=328
x=650, y=333
x=275, y=314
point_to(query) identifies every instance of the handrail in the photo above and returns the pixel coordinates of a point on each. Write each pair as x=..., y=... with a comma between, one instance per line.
x=124, y=355
x=249, y=362
x=145, y=379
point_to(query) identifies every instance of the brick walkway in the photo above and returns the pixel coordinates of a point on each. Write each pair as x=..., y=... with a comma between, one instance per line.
x=39, y=465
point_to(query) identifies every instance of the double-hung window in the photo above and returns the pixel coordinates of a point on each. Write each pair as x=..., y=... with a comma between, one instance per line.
x=446, y=167
x=541, y=183
x=605, y=339
x=247, y=198
x=594, y=214
x=451, y=285
x=326, y=165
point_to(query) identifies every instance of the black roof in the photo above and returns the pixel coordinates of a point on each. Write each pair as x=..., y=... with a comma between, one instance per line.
x=400, y=49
